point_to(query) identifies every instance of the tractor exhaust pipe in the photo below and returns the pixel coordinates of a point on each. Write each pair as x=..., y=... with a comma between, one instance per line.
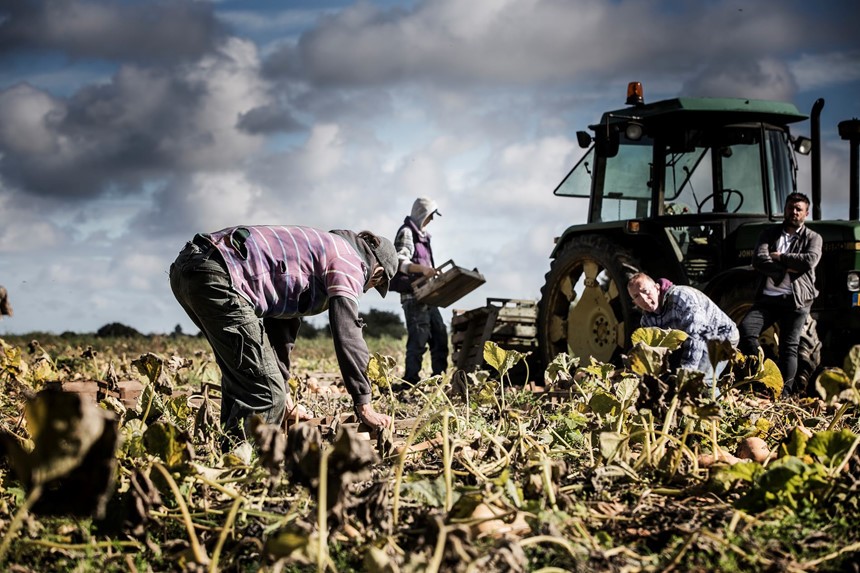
x=850, y=131
x=815, y=127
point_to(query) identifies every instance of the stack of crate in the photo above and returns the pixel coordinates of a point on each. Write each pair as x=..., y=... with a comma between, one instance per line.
x=510, y=323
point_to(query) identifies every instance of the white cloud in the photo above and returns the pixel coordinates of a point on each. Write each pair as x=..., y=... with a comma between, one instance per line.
x=818, y=71
x=232, y=86
x=25, y=120
x=766, y=78
x=521, y=41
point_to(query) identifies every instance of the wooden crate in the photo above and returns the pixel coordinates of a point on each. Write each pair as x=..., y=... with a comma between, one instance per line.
x=469, y=330
x=510, y=323
x=127, y=391
x=450, y=285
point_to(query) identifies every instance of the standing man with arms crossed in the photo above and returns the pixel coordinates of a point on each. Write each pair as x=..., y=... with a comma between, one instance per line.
x=247, y=288
x=424, y=323
x=786, y=256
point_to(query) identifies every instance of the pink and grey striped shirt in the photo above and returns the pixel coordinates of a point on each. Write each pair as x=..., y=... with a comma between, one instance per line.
x=287, y=271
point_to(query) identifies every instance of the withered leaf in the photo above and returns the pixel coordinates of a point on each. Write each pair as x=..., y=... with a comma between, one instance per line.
x=73, y=457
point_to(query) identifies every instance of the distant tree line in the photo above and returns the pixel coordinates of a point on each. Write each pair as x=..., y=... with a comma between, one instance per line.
x=377, y=323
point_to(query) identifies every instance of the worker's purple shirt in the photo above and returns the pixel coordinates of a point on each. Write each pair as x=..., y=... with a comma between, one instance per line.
x=287, y=271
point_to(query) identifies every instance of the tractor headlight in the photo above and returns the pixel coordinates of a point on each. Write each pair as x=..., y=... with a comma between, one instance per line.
x=853, y=281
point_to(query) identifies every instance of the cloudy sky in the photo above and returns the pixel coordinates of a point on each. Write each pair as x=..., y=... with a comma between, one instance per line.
x=128, y=126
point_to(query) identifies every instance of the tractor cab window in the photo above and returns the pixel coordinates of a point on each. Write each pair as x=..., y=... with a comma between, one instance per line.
x=626, y=182
x=715, y=172
x=620, y=182
x=578, y=181
x=781, y=178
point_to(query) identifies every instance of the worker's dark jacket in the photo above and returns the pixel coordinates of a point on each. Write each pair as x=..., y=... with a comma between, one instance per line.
x=802, y=256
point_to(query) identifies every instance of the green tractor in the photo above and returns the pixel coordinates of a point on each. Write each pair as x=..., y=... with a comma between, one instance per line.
x=681, y=189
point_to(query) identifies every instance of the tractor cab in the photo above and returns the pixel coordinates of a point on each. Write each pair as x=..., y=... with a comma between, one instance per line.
x=698, y=168
x=681, y=189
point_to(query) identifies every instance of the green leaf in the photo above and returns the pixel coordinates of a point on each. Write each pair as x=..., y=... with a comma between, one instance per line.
x=771, y=377
x=425, y=492
x=561, y=364
x=832, y=384
x=603, y=403
x=659, y=337
x=852, y=364
x=719, y=350
x=152, y=366
x=627, y=389
x=295, y=542
x=132, y=438
x=710, y=411
x=500, y=359
x=43, y=370
x=486, y=394
x=783, y=481
x=179, y=408
x=830, y=447
x=379, y=369
x=611, y=444
x=170, y=444
x=12, y=365
x=795, y=445
x=644, y=359
x=726, y=475
x=150, y=401
x=599, y=370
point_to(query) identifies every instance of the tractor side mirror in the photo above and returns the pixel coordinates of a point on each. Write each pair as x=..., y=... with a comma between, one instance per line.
x=584, y=139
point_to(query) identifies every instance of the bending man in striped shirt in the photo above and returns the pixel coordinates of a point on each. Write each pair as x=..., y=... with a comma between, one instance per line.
x=247, y=288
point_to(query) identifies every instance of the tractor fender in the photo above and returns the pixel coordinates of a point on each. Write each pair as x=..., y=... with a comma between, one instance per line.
x=734, y=290
x=614, y=231
x=729, y=279
x=649, y=246
x=617, y=233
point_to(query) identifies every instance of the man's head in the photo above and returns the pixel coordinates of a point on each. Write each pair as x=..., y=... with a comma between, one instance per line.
x=386, y=259
x=644, y=292
x=796, y=210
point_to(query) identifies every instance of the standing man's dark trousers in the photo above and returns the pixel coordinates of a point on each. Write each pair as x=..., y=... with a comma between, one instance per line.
x=769, y=310
x=425, y=327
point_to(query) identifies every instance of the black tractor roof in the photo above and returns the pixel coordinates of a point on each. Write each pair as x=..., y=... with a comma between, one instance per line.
x=705, y=111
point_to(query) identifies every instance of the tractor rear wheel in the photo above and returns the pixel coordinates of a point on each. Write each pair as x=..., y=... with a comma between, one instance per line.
x=737, y=302
x=584, y=309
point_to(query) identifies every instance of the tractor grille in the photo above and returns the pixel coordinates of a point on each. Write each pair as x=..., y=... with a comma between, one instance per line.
x=700, y=270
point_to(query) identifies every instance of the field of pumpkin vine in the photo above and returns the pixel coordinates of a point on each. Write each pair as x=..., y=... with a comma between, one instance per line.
x=598, y=467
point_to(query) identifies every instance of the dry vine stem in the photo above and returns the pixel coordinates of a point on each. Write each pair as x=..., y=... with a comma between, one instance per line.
x=225, y=531
x=401, y=461
x=322, y=511
x=18, y=520
x=198, y=551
